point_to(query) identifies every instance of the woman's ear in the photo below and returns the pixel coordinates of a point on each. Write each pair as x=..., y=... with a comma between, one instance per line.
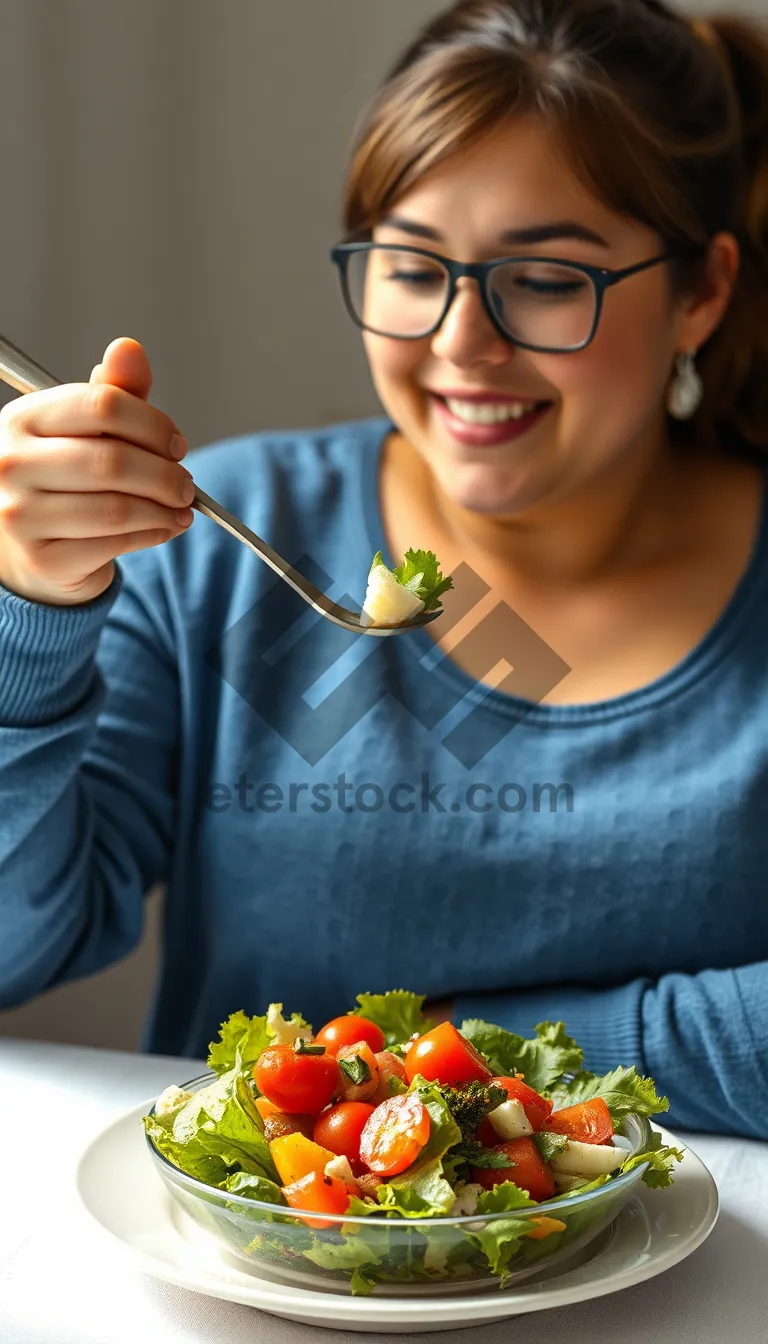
x=700, y=311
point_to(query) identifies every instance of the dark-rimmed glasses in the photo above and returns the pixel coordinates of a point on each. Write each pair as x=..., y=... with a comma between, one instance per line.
x=540, y=303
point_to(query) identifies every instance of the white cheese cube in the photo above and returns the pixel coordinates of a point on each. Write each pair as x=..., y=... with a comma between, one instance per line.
x=387, y=602
x=510, y=1121
x=339, y=1166
x=588, y=1159
x=467, y=1195
x=170, y=1100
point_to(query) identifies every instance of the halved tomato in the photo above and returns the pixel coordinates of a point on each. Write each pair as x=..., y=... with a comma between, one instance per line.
x=587, y=1122
x=395, y=1134
x=526, y=1170
x=321, y=1194
x=443, y=1055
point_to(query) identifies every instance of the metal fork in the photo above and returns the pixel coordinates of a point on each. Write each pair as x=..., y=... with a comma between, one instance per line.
x=24, y=374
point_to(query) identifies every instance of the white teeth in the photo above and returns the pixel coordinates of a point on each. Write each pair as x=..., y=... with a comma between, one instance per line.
x=488, y=412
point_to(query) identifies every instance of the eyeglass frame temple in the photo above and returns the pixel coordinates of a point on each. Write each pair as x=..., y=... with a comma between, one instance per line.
x=600, y=277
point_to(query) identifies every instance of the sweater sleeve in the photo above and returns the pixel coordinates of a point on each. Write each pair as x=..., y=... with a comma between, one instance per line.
x=88, y=740
x=702, y=1038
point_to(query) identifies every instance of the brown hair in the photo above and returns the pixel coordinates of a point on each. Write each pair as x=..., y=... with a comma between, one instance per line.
x=666, y=120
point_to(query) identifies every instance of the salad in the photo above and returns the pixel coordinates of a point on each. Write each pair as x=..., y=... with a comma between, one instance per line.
x=383, y=1112
x=396, y=595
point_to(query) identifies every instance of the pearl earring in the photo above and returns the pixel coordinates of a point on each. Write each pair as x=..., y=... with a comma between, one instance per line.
x=686, y=389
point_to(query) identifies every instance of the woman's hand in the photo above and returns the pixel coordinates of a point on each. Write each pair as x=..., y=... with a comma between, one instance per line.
x=88, y=471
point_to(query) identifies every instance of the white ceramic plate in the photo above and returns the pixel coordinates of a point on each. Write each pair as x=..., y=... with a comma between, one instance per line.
x=124, y=1194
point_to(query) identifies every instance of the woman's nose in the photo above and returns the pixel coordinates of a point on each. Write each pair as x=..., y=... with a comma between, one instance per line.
x=467, y=335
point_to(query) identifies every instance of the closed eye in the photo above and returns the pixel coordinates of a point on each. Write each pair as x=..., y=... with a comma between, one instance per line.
x=550, y=287
x=419, y=279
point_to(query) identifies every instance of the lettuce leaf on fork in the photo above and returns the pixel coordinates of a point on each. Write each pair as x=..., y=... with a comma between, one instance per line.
x=395, y=595
x=421, y=575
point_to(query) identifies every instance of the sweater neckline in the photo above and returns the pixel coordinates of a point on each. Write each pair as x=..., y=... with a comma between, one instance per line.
x=706, y=654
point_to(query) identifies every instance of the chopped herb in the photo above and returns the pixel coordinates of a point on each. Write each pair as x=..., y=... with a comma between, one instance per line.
x=477, y=1155
x=549, y=1145
x=302, y=1048
x=355, y=1069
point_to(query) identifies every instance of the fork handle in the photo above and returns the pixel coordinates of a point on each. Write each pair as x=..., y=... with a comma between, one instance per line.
x=21, y=372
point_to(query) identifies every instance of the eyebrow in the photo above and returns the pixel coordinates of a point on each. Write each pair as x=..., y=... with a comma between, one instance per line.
x=537, y=233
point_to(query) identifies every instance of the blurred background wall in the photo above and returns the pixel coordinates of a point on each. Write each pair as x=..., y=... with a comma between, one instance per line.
x=171, y=171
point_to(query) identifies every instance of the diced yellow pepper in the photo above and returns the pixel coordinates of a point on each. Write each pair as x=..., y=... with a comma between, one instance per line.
x=295, y=1156
x=546, y=1226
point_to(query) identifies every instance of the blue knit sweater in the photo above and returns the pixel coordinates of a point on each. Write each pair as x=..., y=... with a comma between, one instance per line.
x=333, y=813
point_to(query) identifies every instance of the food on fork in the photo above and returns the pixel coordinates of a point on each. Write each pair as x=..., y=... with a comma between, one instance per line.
x=396, y=595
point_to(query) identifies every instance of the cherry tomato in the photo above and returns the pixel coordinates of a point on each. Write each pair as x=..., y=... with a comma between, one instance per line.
x=529, y=1171
x=347, y=1031
x=297, y=1083
x=536, y=1107
x=366, y=1089
x=321, y=1194
x=443, y=1055
x=587, y=1122
x=395, y=1134
x=339, y=1129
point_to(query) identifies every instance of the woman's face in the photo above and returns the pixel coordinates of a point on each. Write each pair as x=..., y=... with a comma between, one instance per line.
x=602, y=405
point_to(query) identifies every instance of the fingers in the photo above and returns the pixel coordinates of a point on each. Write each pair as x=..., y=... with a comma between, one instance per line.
x=125, y=365
x=84, y=568
x=92, y=409
x=83, y=517
x=97, y=464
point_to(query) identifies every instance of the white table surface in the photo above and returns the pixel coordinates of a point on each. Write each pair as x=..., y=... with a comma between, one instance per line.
x=61, y=1282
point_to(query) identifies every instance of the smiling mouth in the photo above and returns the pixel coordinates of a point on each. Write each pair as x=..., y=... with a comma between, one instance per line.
x=489, y=412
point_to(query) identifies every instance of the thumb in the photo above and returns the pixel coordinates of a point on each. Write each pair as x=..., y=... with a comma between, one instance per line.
x=125, y=365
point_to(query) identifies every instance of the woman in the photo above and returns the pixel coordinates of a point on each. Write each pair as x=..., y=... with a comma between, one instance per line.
x=558, y=813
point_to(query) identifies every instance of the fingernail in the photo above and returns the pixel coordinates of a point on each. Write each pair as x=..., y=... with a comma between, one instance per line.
x=184, y=517
x=188, y=491
x=179, y=446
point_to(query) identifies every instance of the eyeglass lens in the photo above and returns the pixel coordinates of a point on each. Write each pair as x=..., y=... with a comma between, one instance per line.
x=399, y=293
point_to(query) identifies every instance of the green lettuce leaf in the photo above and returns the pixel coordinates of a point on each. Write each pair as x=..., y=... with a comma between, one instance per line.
x=499, y=1240
x=247, y=1037
x=241, y=1034
x=419, y=1193
x=503, y=1198
x=420, y=573
x=254, y=1187
x=624, y=1091
x=660, y=1157
x=353, y=1252
x=398, y=1013
x=542, y=1059
x=217, y=1132
x=444, y=1133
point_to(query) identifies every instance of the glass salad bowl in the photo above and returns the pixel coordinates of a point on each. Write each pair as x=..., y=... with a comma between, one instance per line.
x=360, y=1254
